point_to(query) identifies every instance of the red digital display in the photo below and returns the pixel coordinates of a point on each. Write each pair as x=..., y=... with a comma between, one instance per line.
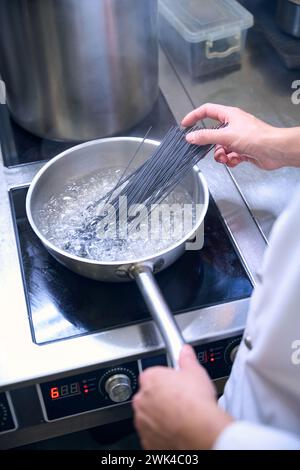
x=54, y=393
x=202, y=357
x=65, y=390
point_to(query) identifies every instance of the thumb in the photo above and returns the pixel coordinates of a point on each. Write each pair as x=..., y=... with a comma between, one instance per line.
x=208, y=136
x=188, y=359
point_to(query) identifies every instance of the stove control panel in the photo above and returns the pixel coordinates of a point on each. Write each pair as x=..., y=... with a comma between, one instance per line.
x=7, y=417
x=87, y=392
x=115, y=385
x=218, y=357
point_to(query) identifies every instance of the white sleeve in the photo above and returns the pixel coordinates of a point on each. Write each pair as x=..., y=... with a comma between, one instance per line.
x=243, y=435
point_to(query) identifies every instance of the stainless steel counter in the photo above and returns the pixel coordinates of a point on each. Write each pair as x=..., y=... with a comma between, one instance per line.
x=22, y=362
x=263, y=87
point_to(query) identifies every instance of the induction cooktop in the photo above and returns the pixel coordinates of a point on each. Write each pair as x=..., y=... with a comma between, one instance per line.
x=62, y=304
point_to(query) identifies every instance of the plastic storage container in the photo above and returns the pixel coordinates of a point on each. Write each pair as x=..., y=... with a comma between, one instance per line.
x=204, y=36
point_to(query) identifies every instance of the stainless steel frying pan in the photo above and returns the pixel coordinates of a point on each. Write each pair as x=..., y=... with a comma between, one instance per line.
x=96, y=155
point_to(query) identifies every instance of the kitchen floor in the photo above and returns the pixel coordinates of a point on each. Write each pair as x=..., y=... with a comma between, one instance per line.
x=120, y=436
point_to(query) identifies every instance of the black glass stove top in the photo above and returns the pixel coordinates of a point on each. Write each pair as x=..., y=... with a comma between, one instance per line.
x=21, y=147
x=62, y=304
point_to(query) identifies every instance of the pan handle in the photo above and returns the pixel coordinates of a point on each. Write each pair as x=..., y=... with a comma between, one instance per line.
x=160, y=311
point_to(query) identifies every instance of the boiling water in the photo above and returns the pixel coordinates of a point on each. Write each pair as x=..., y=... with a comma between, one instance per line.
x=65, y=221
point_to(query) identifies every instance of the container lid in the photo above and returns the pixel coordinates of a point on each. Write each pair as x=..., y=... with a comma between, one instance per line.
x=199, y=20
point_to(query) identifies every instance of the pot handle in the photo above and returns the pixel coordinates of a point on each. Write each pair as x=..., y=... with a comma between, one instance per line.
x=160, y=311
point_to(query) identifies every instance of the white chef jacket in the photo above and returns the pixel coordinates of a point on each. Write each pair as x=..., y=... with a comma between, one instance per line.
x=263, y=391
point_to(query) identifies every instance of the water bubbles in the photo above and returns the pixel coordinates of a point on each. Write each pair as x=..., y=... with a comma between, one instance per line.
x=65, y=220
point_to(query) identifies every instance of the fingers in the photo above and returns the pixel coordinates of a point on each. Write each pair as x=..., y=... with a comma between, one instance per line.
x=144, y=425
x=208, y=110
x=209, y=136
x=231, y=159
x=220, y=154
x=188, y=359
x=150, y=376
x=188, y=363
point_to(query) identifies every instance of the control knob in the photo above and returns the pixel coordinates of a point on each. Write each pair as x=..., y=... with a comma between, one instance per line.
x=118, y=387
x=233, y=353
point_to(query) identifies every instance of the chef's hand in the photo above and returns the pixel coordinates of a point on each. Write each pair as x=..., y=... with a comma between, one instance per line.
x=245, y=138
x=177, y=409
